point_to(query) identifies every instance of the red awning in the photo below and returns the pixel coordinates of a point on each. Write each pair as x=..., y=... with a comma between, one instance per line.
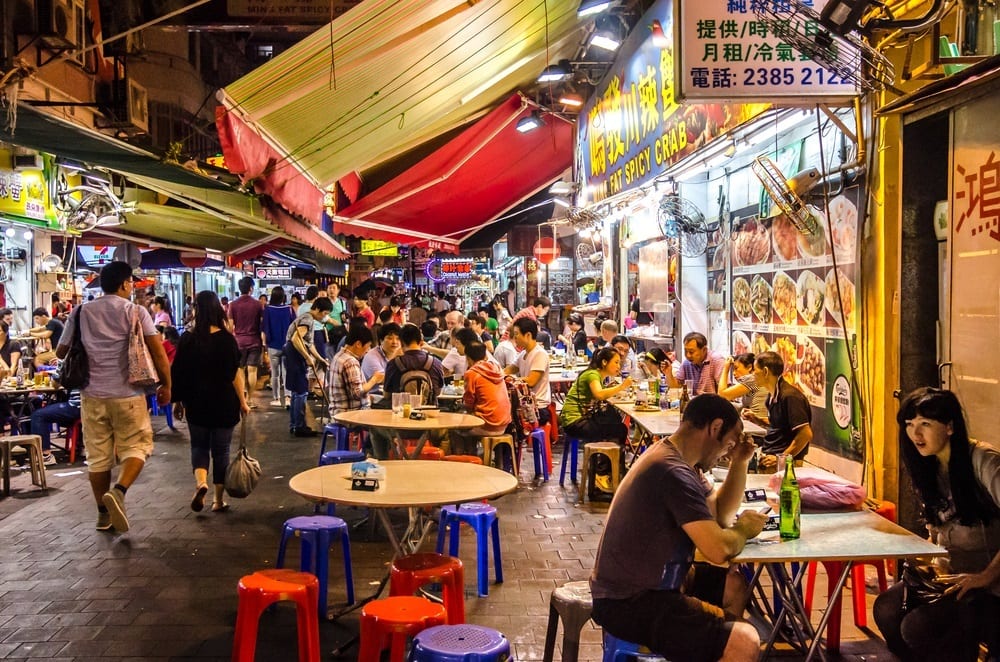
x=489, y=168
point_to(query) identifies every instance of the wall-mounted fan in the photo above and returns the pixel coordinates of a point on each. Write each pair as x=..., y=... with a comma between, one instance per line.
x=683, y=225
x=846, y=55
x=50, y=264
x=787, y=193
x=588, y=256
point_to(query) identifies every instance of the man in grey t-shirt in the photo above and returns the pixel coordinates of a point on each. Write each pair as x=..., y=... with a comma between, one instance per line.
x=115, y=419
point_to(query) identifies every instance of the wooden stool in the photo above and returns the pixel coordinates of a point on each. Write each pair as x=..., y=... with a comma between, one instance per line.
x=262, y=589
x=34, y=445
x=392, y=620
x=408, y=573
x=572, y=603
x=609, y=449
x=491, y=443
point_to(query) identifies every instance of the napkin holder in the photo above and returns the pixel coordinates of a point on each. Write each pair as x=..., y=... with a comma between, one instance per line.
x=367, y=476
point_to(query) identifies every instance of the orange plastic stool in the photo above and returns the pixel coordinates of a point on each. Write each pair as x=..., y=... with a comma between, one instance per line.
x=468, y=459
x=408, y=573
x=395, y=619
x=262, y=589
x=431, y=453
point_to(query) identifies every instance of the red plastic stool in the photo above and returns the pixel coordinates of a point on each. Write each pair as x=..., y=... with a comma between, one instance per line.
x=431, y=453
x=408, y=573
x=468, y=459
x=262, y=589
x=73, y=436
x=886, y=509
x=395, y=619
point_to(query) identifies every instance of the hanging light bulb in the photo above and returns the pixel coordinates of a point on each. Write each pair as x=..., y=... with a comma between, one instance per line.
x=10, y=232
x=28, y=235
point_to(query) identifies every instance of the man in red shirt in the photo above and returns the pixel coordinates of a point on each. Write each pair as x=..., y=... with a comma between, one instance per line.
x=247, y=315
x=537, y=311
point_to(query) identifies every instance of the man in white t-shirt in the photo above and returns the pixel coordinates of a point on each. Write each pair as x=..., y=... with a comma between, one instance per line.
x=115, y=419
x=532, y=365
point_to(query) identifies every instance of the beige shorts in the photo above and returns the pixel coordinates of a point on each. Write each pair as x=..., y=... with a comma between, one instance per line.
x=114, y=430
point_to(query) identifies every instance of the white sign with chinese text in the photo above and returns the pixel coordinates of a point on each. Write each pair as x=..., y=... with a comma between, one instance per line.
x=727, y=53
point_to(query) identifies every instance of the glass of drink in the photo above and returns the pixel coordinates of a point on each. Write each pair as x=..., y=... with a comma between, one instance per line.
x=397, y=403
x=407, y=408
x=690, y=383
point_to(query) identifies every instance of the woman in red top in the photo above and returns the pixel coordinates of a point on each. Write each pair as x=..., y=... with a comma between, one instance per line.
x=396, y=307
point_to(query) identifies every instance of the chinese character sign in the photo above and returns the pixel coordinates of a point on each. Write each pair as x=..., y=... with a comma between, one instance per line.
x=728, y=53
x=632, y=128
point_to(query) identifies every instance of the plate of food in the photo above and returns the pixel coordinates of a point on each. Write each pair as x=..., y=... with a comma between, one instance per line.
x=741, y=298
x=751, y=244
x=811, y=295
x=741, y=343
x=844, y=224
x=759, y=343
x=760, y=299
x=845, y=302
x=719, y=258
x=811, y=368
x=786, y=349
x=814, y=244
x=783, y=298
x=785, y=237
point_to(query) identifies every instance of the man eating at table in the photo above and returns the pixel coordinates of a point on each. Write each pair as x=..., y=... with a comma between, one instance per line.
x=789, y=416
x=661, y=513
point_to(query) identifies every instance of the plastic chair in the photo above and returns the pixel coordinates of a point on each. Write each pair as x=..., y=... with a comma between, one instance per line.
x=33, y=443
x=490, y=444
x=483, y=519
x=572, y=603
x=317, y=533
x=391, y=620
x=168, y=410
x=409, y=573
x=619, y=650
x=571, y=448
x=74, y=438
x=539, y=454
x=339, y=432
x=609, y=449
x=460, y=643
x=263, y=588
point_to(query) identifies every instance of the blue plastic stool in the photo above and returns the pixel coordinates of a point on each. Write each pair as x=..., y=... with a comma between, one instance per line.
x=337, y=457
x=317, y=533
x=483, y=519
x=340, y=434
x=619, y=650
x=539, y=454
x=571, y=448
x=460, y=643
x=168, y=411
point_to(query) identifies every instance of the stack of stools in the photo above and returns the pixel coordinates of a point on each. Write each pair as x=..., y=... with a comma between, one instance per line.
x=613, y=453
x=491, y=444
x=460, y=643
x=262, y=589
x=483, y=519
x=392, y=620
x=571, y=447
x=317, y=533
x=33, y=443
x=572, y=603
x=886, y=509
x=409, y=573
x=619, y=650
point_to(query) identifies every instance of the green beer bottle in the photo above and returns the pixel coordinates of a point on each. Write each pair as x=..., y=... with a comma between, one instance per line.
x=791, y=503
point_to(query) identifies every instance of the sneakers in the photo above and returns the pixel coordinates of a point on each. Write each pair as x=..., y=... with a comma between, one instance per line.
x=18, y=450
x=49, y=459
x=103, y=521
x=114, y=501
x=603, y=483
x=276, y=403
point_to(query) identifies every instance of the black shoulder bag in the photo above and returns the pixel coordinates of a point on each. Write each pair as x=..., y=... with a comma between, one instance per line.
x=74, y=373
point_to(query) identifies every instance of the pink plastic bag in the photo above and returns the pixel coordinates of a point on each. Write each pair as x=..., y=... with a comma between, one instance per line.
x=825, y=494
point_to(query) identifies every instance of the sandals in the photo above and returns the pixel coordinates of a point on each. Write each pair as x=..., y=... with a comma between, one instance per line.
x=220, y=507
x=198, y=500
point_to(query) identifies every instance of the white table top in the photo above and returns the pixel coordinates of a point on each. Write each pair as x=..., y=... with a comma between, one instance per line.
x=383, y=418
x=665, y=422
x=851, y=536
x=409, y=484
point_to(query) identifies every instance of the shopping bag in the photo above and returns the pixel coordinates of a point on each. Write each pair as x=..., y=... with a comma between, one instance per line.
x=244, y=471
x=141, y=369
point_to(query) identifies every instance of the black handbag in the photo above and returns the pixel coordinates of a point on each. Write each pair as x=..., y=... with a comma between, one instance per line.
x=74, y=371
x=922, y=585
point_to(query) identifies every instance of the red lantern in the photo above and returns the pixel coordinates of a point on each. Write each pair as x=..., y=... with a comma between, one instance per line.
x=546, y=250
x=193, y=260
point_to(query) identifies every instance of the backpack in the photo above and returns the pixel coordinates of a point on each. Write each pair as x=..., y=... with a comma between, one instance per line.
x=523, y=409
x=416, y=381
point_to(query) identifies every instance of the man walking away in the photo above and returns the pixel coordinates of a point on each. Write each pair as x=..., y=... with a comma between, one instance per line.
x=247, y=315
x=115, y=419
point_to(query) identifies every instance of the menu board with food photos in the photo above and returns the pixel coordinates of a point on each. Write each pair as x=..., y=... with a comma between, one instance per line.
x=795, y=294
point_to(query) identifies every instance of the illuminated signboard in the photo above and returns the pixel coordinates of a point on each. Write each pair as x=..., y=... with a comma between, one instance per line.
x=439, y=270
x=726, y=53
x=274, y=273
x=379, y=248
x=633, y=127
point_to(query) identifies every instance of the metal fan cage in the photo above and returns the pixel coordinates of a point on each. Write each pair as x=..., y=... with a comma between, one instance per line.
x=849, y=57
x=683, y=225
x=787, y=200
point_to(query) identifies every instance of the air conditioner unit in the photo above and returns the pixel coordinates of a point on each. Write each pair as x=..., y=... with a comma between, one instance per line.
x=126, y=102
x=57, y=23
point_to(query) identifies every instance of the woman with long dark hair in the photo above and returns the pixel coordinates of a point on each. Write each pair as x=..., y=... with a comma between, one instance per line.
x=958, y=482
x=208, y=387
x=278, y=316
